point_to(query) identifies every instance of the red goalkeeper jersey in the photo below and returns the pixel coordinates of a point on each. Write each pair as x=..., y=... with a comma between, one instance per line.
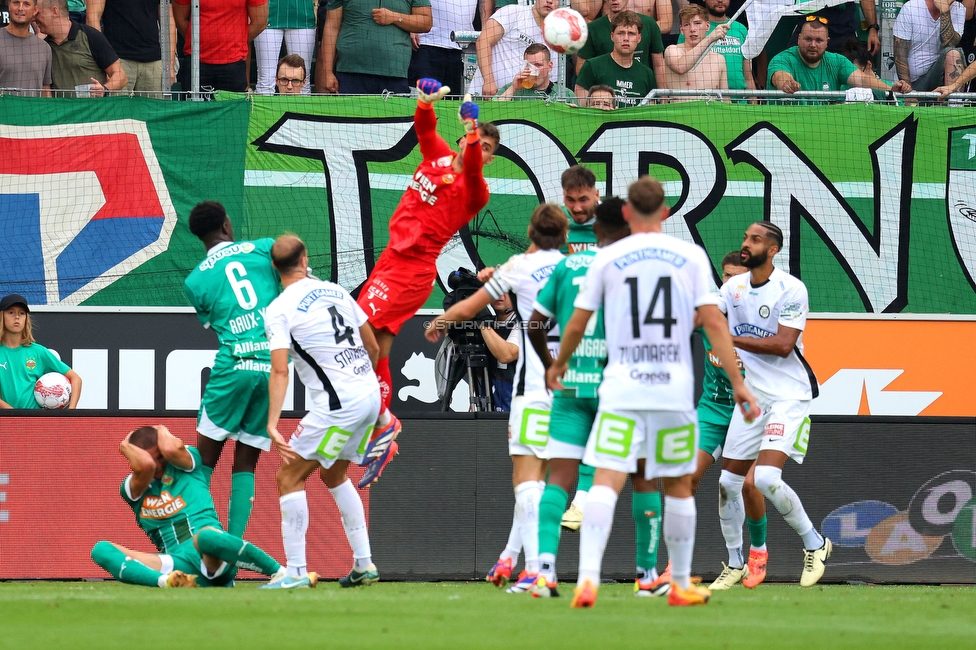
x=438, y=202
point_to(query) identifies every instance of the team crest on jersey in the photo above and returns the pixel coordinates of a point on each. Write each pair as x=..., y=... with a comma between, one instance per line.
x=444, y=161
x=31, y=364
x=167, y=479
x=447, y=179
x=161, y=507
x=764, y=312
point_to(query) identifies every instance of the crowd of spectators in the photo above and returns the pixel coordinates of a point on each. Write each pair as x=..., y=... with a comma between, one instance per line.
x=88, y=48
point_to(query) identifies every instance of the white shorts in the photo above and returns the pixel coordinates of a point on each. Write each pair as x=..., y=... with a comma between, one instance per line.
x=528, y=425
x=328, y=436
x=667, y=440
x=783, y=426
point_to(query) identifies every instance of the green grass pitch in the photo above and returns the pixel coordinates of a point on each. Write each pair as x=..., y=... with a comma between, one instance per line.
x=473, y=615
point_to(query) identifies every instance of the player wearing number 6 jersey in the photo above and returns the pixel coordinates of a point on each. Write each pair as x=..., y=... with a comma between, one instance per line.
x=324, y=330
x=650, y=286
x=767, y=310
x=446, y=192
x=230, y=290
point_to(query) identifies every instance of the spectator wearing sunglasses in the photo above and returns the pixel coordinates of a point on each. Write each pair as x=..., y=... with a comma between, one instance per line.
x=290, y=78
x=809, y=66
x=842, y=24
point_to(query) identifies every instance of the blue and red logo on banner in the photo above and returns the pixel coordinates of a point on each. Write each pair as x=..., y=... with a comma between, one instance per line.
x=80, y=206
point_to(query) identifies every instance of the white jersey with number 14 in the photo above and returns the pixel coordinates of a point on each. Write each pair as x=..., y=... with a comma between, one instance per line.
x=649, y=285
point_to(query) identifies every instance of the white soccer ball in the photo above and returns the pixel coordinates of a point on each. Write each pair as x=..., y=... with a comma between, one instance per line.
x=565, y=30
x=52, y=391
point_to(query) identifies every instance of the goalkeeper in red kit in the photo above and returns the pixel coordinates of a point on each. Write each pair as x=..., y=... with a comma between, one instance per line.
x=447, y=190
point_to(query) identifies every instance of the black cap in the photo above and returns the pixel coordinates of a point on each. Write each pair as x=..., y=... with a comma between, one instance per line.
x=14, y=299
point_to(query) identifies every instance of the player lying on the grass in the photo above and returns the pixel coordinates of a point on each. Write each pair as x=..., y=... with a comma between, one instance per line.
x=447, y=191
x=574, y=409
x=324, y=330
x=523, y=276
x=169, y=491
x=767, y=312
x=650, y=286
x=715, y=409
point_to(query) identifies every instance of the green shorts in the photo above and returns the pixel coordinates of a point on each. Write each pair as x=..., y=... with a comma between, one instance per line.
x=713, y=425
x=186, y=558
x=235, y=407
x=570, y=423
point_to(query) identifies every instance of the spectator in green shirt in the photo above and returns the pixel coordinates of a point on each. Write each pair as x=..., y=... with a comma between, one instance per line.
x=532, y=81
x=650, y=50
x=809, y=66
x=631, y=80
x=23, y=361
x=366, y=48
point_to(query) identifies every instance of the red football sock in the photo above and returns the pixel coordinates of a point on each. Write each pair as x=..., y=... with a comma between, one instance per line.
x=386, y=381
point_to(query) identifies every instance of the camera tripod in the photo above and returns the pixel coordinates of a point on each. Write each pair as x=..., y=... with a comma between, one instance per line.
x=470, y=362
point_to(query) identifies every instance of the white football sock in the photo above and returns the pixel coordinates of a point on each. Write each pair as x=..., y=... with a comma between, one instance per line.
x=679, y=535
x=294, y=527
x=527, y=497
x=579, y=499
x=384, y=419
x=595, y=531
x=769, y=480
x=353, y=522
x=514, y=545
x=732, y=515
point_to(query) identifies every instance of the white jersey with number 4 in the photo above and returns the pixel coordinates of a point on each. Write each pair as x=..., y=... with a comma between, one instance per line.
x=524, y=275
x=649, y=285
x=758, y=312
x=318, y=322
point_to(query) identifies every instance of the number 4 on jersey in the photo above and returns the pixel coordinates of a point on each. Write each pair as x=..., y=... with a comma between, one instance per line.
x=342, y=331
x=663, y=289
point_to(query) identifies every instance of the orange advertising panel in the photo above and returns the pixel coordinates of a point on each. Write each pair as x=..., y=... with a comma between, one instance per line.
x=892, y=367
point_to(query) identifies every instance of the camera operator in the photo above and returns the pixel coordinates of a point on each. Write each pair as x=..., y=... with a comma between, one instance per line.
x=501, y=337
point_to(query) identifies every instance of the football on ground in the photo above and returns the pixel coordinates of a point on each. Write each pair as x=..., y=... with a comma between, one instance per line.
x=565, y=30
x=52, y=391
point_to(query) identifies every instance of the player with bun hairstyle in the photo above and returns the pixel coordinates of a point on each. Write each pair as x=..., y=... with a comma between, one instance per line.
x=522, y=276
x=447, y=191
x=23, y=361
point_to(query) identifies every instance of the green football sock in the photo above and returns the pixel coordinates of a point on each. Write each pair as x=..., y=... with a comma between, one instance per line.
x=757, y=531
x=646, y=510
x=234, y=550
x=241, y=502
x=125, y=569
x=585, y=478
x=551, y=509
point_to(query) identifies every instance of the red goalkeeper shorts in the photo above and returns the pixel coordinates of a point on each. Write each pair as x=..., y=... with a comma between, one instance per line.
x=395, y=290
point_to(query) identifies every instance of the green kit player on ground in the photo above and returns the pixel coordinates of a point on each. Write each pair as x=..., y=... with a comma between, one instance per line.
x=573, y=412
x=230, y=290
x=169, y=492
x=715, y=409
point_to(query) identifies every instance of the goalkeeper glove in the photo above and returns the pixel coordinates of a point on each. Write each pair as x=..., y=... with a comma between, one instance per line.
x=430, y=90
x=468, y=114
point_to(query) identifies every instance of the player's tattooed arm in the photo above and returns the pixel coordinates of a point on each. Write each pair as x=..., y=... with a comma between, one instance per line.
x=173, y=450
x=781, y=344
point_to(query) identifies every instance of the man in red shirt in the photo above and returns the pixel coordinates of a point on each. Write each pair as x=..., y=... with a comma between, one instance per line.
x=447, y=191
x=226, y=28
